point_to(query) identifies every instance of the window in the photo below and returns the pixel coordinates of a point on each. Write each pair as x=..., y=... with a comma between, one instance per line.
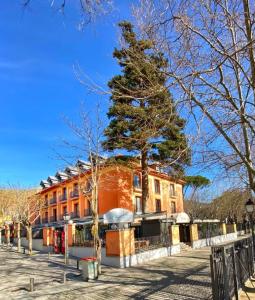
x=137, y=181
x=157, y=186
x=46, y=217
x=75, y=187
x=76, y=210
x=54, y=214
x=64, y=193
x=46, y=200
x=64, y=210
x=173, y=207
x=138, y=205
x=172, y=191
x=54, y=195
x=89, y=185
x=158, y=205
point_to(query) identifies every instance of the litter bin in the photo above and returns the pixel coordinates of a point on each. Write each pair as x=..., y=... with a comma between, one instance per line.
x=89, y=267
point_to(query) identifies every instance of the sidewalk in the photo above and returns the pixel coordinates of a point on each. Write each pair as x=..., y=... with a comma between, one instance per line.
x=184, y=276
x=248, y=291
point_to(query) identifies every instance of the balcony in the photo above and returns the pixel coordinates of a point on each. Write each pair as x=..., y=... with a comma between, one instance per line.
x=87, y=212
x=37, y=221
x=53, y=200
x=53, y=219
x=45, y=220
x=74, y=194
x=75, y=215
x=63, y=198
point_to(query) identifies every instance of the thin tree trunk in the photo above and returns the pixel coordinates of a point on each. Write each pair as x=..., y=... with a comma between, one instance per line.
x=18, y=236
x=30, y=241
x=97, y=241
x=145, y=180
x=7, y=235
x=97, y=245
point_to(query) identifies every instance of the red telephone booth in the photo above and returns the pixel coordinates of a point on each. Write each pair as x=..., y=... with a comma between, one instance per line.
x=63, y=242
x=58, y=241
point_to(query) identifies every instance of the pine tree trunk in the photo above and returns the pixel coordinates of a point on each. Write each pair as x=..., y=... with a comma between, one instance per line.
x=145, y=180
x=18, y=236
x=30, y=241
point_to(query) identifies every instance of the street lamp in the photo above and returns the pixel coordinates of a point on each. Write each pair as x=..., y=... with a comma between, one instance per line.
x=66, y=218
x=249, y=206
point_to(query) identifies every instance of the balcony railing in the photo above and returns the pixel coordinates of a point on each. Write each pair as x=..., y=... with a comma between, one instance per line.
x=45, y=220
x=37, y=221
x=53, y=219
x=53, y=200
x=74, y=194
x=87, y=212
x=63, y=198
x=75, y=215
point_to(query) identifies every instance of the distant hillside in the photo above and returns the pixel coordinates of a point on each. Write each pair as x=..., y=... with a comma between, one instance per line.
x=229, y=204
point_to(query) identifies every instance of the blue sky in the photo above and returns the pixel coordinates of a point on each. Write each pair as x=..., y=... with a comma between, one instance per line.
x=39, y=47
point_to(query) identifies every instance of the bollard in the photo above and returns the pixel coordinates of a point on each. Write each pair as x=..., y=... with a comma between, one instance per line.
x=24, y=250
x=48, y=255
x=31, y=286
x=78, y=264
x=64, y=278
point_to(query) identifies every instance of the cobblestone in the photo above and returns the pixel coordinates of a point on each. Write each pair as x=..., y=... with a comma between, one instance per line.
x=185, y=276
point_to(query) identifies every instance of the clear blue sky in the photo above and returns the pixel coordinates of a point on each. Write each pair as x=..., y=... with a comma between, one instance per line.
x=37, y=84
x=38, y=48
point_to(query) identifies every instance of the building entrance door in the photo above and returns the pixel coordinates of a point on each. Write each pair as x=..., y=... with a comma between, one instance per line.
x=184, y=233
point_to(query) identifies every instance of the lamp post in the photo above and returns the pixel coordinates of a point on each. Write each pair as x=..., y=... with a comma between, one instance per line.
x=66, y=218
x=249, y=206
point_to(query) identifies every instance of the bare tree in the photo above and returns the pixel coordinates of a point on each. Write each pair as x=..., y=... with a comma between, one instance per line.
x=89, y=9
x=7, y=210
x=27, y=205
x=210, y=46
x=89, y=133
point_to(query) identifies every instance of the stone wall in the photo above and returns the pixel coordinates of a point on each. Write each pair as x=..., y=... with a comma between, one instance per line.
x=214, y=240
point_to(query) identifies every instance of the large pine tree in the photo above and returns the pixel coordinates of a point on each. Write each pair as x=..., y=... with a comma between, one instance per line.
x=143, y=116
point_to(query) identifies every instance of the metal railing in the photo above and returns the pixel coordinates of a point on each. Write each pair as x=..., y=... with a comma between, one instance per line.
x=231, y=266
x=151, y=242
x=37, y=221
x=53, y=219
x=53, y=200
x=87, y=212
x=45, y=220
x=75, y=215
x=208, y=230
x=63, y=198
x=74, y=194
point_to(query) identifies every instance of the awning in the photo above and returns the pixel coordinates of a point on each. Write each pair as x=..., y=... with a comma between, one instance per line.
x=180, y=218
x=151, y=216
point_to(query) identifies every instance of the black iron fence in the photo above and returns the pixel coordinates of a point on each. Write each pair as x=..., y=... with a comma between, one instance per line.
x=151, y=242
x=231, y=265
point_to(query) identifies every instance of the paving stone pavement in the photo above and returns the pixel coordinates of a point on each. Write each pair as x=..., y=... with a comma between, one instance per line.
x=185, y=276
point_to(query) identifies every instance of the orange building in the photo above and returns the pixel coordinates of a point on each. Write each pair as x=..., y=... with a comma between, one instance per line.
x=119, y=187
